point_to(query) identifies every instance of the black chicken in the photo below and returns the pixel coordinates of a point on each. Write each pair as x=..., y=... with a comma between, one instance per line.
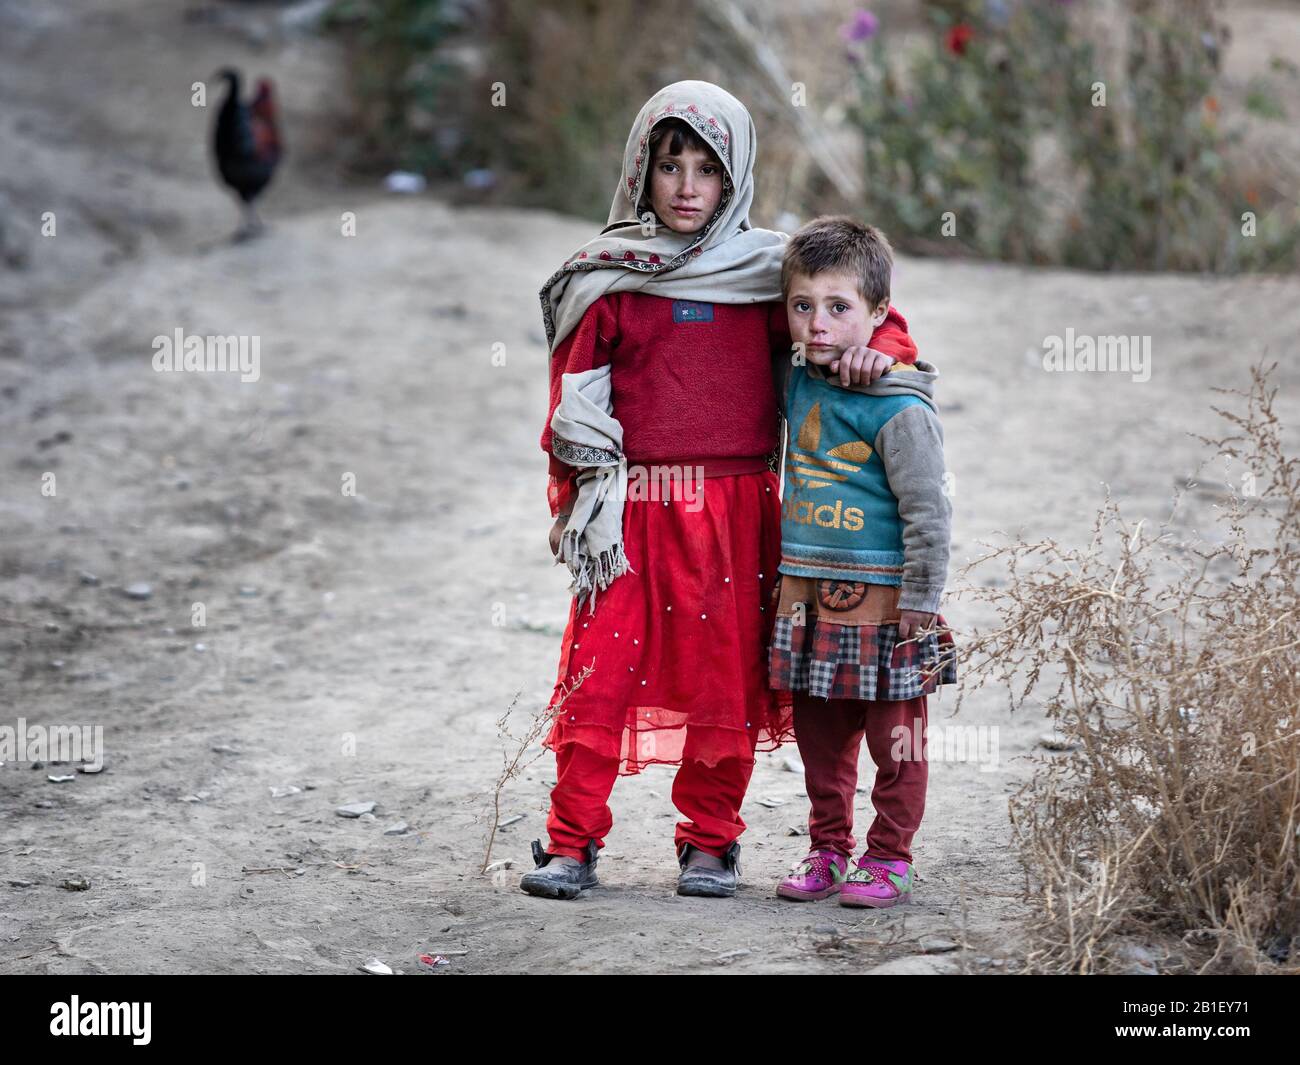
x=247, y=145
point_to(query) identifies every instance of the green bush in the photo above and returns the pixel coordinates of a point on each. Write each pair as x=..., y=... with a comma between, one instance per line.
x=1048, y=142
x=401, y=78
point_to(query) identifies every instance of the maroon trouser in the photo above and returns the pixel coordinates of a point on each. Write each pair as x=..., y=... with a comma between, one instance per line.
x=709, y=796
x=830, y=732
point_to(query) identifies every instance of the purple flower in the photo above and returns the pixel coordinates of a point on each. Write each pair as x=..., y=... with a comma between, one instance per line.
x=861, y=27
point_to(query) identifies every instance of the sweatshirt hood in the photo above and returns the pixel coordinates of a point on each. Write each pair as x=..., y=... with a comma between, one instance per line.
x=901, y=379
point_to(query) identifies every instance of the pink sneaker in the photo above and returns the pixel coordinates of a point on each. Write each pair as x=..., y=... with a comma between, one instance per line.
x=877, y=882
x=818, y=875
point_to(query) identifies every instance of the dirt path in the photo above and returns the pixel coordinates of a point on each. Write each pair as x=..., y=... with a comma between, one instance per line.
x=361, y=647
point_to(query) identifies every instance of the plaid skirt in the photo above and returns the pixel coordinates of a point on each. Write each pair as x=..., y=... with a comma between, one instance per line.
x=839, y=640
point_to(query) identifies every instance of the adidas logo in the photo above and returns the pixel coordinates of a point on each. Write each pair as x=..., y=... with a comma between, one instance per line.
x=811, y=469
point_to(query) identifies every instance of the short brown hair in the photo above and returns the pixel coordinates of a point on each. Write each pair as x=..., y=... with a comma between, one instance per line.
x=844, y=245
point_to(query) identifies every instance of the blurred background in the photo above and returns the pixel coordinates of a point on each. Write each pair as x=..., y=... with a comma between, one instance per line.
x=365, y=524
x=909, y=108
x=902, y=110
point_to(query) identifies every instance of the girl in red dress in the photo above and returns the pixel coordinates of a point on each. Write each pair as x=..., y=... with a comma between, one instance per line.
x=663, y=441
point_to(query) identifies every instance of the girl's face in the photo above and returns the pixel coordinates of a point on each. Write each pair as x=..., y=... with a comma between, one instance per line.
x=685, y=189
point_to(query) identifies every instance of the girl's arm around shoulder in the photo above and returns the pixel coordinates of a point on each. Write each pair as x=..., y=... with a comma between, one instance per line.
x=780, y=345
x=910, y=445
x=892, y=338
x=858, y=367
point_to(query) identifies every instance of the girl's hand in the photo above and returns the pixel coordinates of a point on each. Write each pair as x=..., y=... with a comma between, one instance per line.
x=913, y=623
x=860, y=365
x=557, y=530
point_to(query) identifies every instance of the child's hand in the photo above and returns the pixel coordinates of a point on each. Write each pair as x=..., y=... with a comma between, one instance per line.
x=913, y=623
x=557, y=530
x=860, y=365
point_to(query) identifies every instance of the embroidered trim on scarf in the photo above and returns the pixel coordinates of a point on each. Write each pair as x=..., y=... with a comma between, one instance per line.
x=582, y=454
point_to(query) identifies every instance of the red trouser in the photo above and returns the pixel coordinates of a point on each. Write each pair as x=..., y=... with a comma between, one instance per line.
x=710, y=796
x=829, y=733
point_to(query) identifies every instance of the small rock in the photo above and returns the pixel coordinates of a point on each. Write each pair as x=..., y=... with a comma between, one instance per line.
x=791, y=764
x=732, y=955
x=44, y=804
x=278, y=792
x=1055, y=743
x=138, y=590
x=75, y=883
x=936, y=945
x=825, y=929
x=355, y=809
x=51, y=626
x=511, y=821
x=89, y=767
x=399, y=829
x=795, y=830
x=224, y=748
x=61, y=779
x=374, y=965
x=1139, y=961
x=405, y=181
x=89, y=578
x=248, y=591
x=21, y=883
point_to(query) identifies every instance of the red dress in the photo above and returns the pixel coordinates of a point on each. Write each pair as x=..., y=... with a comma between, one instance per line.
x=678, y=647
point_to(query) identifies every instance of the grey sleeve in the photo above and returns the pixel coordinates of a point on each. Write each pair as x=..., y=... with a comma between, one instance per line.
x=910, y=445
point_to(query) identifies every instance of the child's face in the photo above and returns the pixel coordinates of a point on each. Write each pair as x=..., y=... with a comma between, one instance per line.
x=827, y=314
x=685, y=189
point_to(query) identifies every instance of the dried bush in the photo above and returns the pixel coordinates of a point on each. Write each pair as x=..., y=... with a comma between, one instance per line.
x=1175, y=814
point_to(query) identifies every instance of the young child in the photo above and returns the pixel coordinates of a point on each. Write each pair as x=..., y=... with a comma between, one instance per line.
x=864, y=556
x=663, y=331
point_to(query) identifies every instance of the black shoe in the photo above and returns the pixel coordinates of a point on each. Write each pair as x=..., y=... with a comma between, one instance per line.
x=707, y=882
x=560, y=881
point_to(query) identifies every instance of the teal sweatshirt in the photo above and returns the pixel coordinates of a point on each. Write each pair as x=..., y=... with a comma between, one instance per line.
x=864, y=494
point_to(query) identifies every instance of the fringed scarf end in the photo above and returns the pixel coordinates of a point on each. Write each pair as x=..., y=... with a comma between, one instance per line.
x=593, y=573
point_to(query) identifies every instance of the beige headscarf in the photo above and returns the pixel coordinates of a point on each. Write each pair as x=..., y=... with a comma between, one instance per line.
x=728, y=261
